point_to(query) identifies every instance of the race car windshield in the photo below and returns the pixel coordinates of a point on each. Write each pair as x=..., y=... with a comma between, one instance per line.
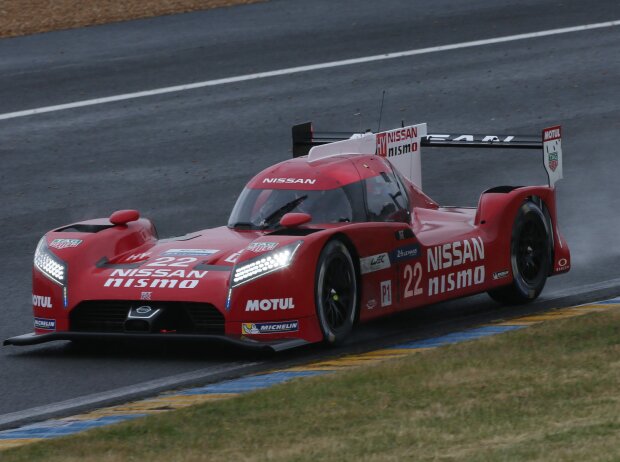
x=263, y=208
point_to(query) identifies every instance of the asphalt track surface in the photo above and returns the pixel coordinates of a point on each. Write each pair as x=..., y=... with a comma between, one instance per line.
x=182, y=158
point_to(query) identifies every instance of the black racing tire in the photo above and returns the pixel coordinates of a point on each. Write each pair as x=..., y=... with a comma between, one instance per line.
x=336, y=292
x=530, y=256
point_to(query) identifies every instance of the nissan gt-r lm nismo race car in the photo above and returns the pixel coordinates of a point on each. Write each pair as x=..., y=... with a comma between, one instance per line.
x=342, y=233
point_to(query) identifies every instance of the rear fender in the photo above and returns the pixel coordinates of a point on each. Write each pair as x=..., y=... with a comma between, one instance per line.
x=498, y=207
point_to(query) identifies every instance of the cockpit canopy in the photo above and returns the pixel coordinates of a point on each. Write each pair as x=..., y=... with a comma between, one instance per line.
x=263, y=208
x=380, y=198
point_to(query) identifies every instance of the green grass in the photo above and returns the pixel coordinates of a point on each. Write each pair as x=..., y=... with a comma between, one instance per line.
x=549, y=392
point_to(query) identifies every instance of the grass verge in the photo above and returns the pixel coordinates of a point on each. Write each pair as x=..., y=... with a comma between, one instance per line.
x=22, y=17
x=549, y=392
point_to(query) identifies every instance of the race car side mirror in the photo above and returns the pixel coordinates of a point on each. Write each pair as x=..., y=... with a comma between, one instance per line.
x=292, y=220
x=122, y=217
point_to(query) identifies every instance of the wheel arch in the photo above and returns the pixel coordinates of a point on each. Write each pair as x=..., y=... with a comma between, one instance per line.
x=498, y=206
x=356, y=262
x=550, y=222
x=525, y=287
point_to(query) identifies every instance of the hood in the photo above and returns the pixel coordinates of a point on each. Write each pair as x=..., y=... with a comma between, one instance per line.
x=219, y=246
x=195, y=267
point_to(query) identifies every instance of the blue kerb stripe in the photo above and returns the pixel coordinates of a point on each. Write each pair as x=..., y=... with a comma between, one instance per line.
x=457, y=337
x=611, y=301
x=54, y=428
x=255, y=382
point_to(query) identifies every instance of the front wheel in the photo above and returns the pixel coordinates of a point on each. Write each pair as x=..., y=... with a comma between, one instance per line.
x=335, y=292
x=530, y=256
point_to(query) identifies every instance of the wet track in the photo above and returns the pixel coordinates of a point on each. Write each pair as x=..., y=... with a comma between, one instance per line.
x=181, y=158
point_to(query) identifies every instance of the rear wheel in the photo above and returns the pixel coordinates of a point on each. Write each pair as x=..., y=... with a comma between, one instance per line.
x=530, y=256
x=336, y=292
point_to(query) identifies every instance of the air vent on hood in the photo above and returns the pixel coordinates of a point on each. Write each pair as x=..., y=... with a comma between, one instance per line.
x=294, y=232
x=83, y=228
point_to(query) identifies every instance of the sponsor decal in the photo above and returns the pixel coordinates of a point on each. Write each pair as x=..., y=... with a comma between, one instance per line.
x=146, y=295
x=453, y=255
x=413, y=279
x=456, y=138
x=562, y=265
x=65, y=243
x=250, y=328
x=160, y=278
x=500, y=275
x=386, y=293
x=552, y=153
x=553, y=133
x=552, y=159
x=406, y=253
x=289, y=180
x=271, y=304
x=44, y=323
x=42, y=302
x=192, y=252
x=232, y=258
x=258, y=247
x=397, y=142
x=138, y=256
x=403, y=234
x=375, y=263
x=371, y=303
x=456, y=280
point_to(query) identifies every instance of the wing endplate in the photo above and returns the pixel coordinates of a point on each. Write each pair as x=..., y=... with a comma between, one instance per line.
x=552, y=153
x=402, y=147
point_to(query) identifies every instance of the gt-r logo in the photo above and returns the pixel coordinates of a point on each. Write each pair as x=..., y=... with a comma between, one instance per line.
x=272, y=304
x=42, y=302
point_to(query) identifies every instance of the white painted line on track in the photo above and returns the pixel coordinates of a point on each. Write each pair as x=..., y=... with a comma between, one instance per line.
x=311, y=67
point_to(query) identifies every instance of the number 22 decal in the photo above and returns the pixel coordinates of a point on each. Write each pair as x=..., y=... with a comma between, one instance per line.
x=168, y=261
x=410, y=275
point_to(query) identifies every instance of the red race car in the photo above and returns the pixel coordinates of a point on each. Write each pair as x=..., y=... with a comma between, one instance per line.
x=342, y=233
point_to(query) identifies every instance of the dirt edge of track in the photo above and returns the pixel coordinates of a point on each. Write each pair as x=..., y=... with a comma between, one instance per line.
x=25, y=17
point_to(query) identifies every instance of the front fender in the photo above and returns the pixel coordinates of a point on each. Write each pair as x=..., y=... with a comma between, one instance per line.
x=282, y=296
x=80, y=246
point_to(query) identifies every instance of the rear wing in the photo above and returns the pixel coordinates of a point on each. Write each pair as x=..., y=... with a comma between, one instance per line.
x=402, y=146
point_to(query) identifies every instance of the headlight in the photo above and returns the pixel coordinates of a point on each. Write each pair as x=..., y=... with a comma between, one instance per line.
x=264, y=264
x=49, y=264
